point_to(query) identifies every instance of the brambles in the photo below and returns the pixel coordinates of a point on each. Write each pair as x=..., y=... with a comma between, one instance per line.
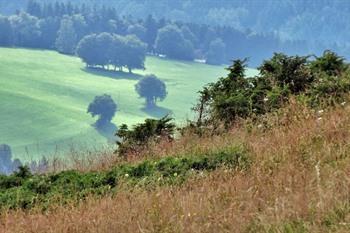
x=24, y=190
x=324, y=80
x=138, y=138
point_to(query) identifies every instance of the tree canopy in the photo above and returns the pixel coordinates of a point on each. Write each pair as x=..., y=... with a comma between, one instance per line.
x=104, y=107
x=152, y=89
x=110, y=49
x=217, y=52
x=171, y=42
x=66, y=37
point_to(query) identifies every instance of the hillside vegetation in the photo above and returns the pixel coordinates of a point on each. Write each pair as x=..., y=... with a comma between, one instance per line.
x=297, y=181
x=283, y=167
x=44, y=98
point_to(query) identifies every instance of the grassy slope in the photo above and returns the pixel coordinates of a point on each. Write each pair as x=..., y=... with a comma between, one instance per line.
x=44, y=96
x=297, y=181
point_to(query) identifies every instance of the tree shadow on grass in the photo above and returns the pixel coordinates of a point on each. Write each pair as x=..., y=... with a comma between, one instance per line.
x=157, y=112
x=111, y=73
x=107, y=130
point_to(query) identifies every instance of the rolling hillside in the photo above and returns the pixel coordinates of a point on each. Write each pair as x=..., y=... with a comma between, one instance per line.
x=44, y=96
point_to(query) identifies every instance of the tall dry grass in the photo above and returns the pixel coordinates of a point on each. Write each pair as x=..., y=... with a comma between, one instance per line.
x=299, y=182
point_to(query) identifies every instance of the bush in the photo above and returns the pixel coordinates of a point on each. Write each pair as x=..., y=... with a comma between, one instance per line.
x=26, y=191
x=325, y=80
x=138, y=138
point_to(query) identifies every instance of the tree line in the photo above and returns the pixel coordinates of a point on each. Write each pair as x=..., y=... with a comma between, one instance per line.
x=61, y=26
x=110, y=49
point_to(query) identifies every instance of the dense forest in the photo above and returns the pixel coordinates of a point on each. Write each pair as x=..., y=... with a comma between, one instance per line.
x=313, y=25
x=60, y=26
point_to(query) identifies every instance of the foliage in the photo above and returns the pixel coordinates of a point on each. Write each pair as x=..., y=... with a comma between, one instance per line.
x=39, y=27
x=291, y=71
x=152, y=89
x=104, y=107
x=135, y=53
x=66, y=37
x=6, y=31
x=322, y=81
x=330, y=63
x=216, y=54
x=109, y=49
x=26, y=191
x=329, y=89
x=136, y=139
x=171, y=42
x=25, y=30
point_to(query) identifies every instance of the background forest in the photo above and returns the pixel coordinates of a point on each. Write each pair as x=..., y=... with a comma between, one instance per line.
x=252, y=28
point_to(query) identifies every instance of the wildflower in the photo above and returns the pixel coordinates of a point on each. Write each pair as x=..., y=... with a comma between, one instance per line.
x=126, y=175
x=175, y=174
x=320, y=111
x=343, y=103
x=260, y=126
x=266, y=99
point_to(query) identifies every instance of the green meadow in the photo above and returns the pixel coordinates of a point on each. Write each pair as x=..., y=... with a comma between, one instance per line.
x=44, y=97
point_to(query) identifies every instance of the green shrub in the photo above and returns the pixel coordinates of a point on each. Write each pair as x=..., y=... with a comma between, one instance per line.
x=73, y=186
x=326, y=80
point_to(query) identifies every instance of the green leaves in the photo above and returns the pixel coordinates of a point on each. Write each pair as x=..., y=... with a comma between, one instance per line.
x=24, y=191
x=324, y=80
x=151, y=130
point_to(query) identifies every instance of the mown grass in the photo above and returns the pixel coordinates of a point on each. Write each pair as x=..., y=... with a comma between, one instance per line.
x=44, y=96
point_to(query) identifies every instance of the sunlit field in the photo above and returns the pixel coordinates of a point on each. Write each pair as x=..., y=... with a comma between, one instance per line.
x=44, y=97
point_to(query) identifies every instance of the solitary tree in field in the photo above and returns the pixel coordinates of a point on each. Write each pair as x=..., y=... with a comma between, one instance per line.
x=66, y=37
x=104, y=107
x=152, y=89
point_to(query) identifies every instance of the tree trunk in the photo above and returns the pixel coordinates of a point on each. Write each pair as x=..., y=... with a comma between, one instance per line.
x=201, y=108
x=150, y=103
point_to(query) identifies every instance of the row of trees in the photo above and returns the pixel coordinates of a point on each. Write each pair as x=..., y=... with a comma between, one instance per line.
x=110, y=49
x=61, y=26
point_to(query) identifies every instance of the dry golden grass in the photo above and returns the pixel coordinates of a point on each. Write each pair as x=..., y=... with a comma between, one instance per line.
x=299, y=182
